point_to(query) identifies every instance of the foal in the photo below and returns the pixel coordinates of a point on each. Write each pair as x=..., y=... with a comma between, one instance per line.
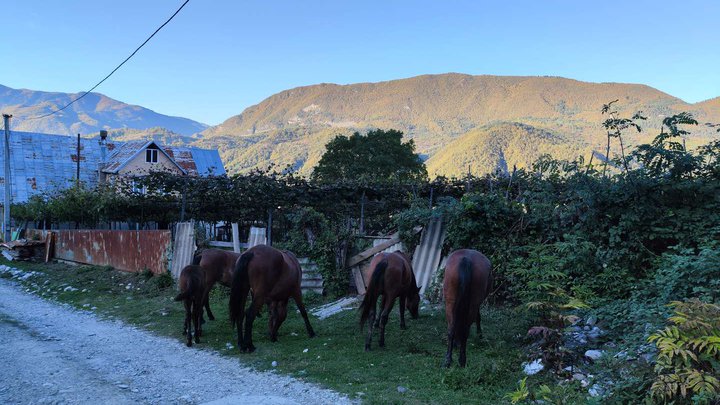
x=467, y=282
x=192, y=292
x=392, y=277
x=219, y=266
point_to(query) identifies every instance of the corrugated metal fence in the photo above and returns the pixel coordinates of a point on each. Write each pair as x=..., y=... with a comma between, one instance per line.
x=123, y=250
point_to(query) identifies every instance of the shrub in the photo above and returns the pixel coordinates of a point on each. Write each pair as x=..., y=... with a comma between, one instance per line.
x=688, y=363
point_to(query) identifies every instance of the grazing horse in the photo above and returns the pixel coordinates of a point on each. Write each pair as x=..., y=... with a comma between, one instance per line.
x=467, y=282
x=192, y=290
x=274, y=276
x=219, y=266
x=391, y=276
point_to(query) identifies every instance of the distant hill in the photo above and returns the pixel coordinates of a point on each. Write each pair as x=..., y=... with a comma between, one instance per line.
x=89, y=115
x=291, y=127
x=499, y=146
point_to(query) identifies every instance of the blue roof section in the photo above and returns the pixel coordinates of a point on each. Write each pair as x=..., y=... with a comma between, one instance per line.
x=207, y=162
x=44, y=163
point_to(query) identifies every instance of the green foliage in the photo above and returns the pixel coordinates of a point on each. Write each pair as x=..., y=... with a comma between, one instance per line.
x=666, y=155
x=311, y=234
x=688, y=363
x=378, y=156
x=540, y=282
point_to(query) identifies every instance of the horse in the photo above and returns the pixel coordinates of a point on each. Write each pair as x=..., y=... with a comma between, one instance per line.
x=466, y=284
x=219, y=266
x=391, y=276
x=192, y=292
x=274, y=276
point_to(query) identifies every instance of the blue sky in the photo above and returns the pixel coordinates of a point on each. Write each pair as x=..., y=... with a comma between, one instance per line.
x=218, y=57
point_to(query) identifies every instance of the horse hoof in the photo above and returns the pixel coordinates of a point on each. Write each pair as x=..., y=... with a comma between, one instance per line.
x=197, y=339
x=312, y=334
x=189, y=343
x=210, y=317
x=403, y=327
x=251, y=349
x=367, y=348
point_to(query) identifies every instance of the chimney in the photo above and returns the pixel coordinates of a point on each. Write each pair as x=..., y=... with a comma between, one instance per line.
x=103, y=145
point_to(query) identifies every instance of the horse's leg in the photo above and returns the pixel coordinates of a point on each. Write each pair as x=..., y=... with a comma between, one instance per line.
x=479, y=329
x=249, y=319
x=450, y=342
x=402, y=312
x=297, y=297
x=272, y=320
x=188, y=325
x=382, y=305
x=280, y=315
x=462, y=359
x=371, y=323
x=384, y=319
x=239, y=321
x=197, y=315
x=206, y=302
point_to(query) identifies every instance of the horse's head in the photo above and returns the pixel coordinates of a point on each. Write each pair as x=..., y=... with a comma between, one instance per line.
x=412, y=302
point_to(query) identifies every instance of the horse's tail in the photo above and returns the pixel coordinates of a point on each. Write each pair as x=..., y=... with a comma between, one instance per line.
x=377, y=281
x=462, y=303
x=239, y=287
x=187, y=292
x=197, y=257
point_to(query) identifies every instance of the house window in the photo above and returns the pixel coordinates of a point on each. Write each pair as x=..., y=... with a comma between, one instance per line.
x=151, y=155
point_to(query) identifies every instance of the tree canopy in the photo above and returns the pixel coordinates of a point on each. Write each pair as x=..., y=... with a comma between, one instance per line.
x=378, y=156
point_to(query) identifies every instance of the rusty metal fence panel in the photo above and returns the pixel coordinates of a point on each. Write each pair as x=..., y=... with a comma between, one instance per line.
x=124, y=250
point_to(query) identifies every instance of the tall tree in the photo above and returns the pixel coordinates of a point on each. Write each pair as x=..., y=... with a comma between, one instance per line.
x=378, y=156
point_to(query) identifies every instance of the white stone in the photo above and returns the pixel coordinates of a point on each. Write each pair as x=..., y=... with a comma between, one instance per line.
x=594, y=354
x=533, y=367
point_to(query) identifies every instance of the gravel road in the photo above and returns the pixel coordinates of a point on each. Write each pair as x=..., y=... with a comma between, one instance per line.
x=54, y=354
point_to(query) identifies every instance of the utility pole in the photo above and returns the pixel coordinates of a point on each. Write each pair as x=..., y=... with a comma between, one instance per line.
x=77, y=175
x=6, y=203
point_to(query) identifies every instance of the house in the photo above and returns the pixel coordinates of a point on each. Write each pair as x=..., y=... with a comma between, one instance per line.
x=138, y=158
x=42, y=163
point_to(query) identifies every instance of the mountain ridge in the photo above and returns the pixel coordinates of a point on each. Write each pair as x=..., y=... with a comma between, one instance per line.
x=90, y=114
x=434, y=110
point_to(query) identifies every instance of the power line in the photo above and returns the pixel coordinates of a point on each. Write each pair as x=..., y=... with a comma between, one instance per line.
x=118, y=66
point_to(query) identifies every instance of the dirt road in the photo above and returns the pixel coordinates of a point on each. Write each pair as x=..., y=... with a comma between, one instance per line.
x=53, y=354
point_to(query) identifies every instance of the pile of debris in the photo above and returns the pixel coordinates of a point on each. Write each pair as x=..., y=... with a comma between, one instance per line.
x=25, y=249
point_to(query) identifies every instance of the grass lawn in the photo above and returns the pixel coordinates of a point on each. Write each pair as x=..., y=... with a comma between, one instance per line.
x=335, y=358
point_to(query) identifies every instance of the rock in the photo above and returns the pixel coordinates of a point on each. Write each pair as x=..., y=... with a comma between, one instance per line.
x=595, y=333
x=594, y=354
x=578, y=376
x=305, y=351
x=592, y=320
x=274, y=363
x=228, y=346
x=533, y=367
x=586, y=328
x=123, y=386
x=596, y=390
x=401, y=389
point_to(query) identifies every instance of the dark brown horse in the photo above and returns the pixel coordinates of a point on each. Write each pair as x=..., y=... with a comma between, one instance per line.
x=219, y=266
x=467, y=282
x=274, y=276
x=192, y=291
x=391, y=276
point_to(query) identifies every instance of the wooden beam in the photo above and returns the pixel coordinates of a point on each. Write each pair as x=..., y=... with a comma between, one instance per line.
x=395, y=238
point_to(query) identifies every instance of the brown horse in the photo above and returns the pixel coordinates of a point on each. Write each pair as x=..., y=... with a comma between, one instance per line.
x=274, y=276
x=192, y=291
x=467, y=282
x=391, y=276
x=219, y=266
